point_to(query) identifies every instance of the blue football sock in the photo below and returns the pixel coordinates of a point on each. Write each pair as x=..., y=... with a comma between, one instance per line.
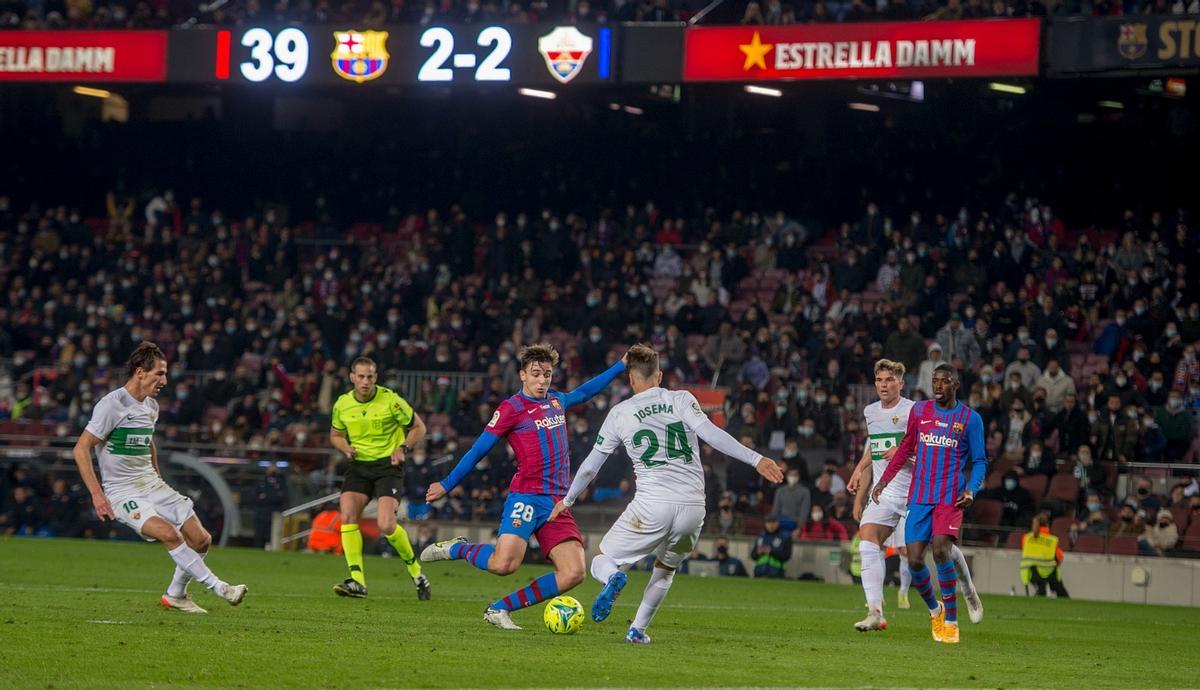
x=537, y=591
x=920, y=580
x=948, y=579
x=475, y=554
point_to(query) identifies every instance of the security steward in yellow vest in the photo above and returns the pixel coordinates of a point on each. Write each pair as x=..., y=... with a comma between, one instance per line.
x=1041, y=557
x=374, y=428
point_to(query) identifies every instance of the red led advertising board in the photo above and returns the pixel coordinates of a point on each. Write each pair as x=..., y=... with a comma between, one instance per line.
x=83, y=56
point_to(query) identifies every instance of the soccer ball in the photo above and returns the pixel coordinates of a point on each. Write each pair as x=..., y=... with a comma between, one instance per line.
x=563, y=615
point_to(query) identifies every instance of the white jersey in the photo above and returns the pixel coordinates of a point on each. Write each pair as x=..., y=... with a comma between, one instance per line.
x=658, y=429
x=885, y=428
x=127, y=428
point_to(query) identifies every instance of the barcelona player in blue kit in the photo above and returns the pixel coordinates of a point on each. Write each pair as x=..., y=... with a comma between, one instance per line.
x=943, y=433
x=535, y=423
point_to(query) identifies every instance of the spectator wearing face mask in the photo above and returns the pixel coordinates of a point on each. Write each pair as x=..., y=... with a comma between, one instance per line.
x=1114, y=435
x=1038, y=461
x=1161, y=536
x=822, y=527
x=1176, y=426
x=728, y=566
x=925, y=373
x=772, y=549
x=792, y=501
x=1127, y=524
x=1017, y=430
x=809, y=438
x=1018, y=505
x=1057, y=385
x=1187, y=376
x=1091, y=518
x=1028, y=371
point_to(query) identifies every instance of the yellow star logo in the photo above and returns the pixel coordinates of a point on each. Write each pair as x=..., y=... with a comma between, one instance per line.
x=756, y=52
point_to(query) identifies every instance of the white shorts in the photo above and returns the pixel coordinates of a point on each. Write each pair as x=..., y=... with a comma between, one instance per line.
x=667, y=530
x=889, y=512
x=135, y=508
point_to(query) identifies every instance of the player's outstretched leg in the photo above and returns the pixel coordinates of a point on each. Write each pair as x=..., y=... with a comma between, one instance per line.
x=498, y=613
x=478, y=555
x=656, y=590
x=352, y=548
x=606, y=571
x=176, y=596
x=189, y=561
x=873, y=570
x=948, y=582
x=974, y=604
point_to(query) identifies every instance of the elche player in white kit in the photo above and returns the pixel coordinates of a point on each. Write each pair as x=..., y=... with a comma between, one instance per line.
x=659, y=429
x=882, y=523
x=122, y=432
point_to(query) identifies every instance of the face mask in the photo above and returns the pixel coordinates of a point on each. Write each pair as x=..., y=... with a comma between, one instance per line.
x=1093, y=506
x=1175, y=403
x=1132, y=414
x=102, y=360
x=1121, y=381
x=1010, y=484
x=817, y=516
x=802, y=395
x=1143, y=491
x=1126, y=518
x=793, y=479
x=1172, y=333
x=80, y=360
x=594, y=337
x=1035, y=458
x=986, y=378
x=1139, y=310
x=1138, y=355
x=592, y=302
x=1051, y=342
x=820, y=399
x=780, y=410
x=807, y=431
x=1023, y=335
x=418, y=460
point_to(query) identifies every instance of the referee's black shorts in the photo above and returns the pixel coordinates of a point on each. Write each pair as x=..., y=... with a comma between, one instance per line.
x=374, y=478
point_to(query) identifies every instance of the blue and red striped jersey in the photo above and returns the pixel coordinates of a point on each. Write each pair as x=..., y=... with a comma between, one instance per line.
x=942, y=440
x=537, y=432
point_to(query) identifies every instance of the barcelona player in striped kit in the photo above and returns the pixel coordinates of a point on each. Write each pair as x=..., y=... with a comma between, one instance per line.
x=942, y=433
x=535, y=423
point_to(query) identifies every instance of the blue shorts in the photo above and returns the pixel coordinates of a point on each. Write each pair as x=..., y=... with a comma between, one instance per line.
x=928, y=519
x=525, y=515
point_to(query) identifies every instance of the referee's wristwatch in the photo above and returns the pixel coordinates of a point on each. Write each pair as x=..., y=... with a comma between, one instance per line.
x=406, y=449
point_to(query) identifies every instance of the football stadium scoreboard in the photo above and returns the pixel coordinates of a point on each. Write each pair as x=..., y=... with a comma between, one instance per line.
x=576, y=56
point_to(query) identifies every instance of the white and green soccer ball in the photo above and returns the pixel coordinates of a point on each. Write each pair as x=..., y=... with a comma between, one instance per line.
x=563, y=615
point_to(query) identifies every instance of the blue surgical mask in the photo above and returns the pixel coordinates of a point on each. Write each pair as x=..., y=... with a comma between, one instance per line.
x=1010, y=484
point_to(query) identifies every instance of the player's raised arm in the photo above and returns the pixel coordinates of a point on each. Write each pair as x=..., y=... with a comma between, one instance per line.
x=592, y=387
x=979, y=461
x=904, y=451
x=504, y=419
x=718, y=438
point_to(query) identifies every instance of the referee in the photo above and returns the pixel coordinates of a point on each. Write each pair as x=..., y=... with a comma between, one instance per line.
x=374, y=428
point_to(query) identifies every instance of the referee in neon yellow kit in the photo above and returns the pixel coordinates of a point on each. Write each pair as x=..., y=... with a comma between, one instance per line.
x=374, y=428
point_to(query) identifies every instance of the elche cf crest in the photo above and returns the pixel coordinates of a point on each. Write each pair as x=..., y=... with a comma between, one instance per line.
x=565, y=49
x=360, y=56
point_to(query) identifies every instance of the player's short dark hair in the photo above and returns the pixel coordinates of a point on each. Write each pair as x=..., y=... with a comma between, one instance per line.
x=144, y=356
x=538, y=352
x=948, y=369
x=363, y=360
x=643, y=359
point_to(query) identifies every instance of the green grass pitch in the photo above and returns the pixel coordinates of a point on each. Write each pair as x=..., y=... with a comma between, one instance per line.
x=86, y=614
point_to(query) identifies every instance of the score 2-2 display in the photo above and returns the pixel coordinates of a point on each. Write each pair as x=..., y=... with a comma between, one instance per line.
x=527, y=55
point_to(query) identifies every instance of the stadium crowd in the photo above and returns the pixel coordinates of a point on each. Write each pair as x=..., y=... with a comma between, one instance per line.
x=1078, y=348
x=158, y=14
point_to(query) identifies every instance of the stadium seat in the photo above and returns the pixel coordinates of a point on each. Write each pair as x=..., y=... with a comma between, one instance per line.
x=998, y=469
x=986, y=512
x=1089, y=543
x=1065, y=487
x=1061, y=528
x=1192, y=530
x=1123, y=546
x=1014, y=540
x=1181, y=514
x=1035, y=485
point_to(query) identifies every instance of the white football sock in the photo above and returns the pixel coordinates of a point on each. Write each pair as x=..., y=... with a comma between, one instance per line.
x=603, y=567
x=652, y=598
x=193, y=565
x=873, y=570
x=179, y=583
x=964, y=573
x=905, y=577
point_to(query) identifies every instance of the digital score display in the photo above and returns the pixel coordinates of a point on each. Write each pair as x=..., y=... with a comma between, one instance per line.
x=527, y=55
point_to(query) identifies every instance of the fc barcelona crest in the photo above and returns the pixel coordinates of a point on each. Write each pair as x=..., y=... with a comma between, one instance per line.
x=957, y=427
x=1131, y=41
x=360, y=55
x=516, y=523
x=565, y=49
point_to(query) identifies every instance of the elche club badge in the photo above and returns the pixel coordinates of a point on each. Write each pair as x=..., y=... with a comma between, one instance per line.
x=565, y=49
x=360, y=56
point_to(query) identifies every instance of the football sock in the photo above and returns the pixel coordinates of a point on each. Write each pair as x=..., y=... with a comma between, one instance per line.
x=352, y=549
x=873, y=570
x=541, y=589
x=603, y=568
x=964, y=573
x=949, y=584
x=193, y=565
x=920, y=580
x=652, y=598
x=399, y=541
x=477, y=555
x=905, y=578
x=179, y=582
